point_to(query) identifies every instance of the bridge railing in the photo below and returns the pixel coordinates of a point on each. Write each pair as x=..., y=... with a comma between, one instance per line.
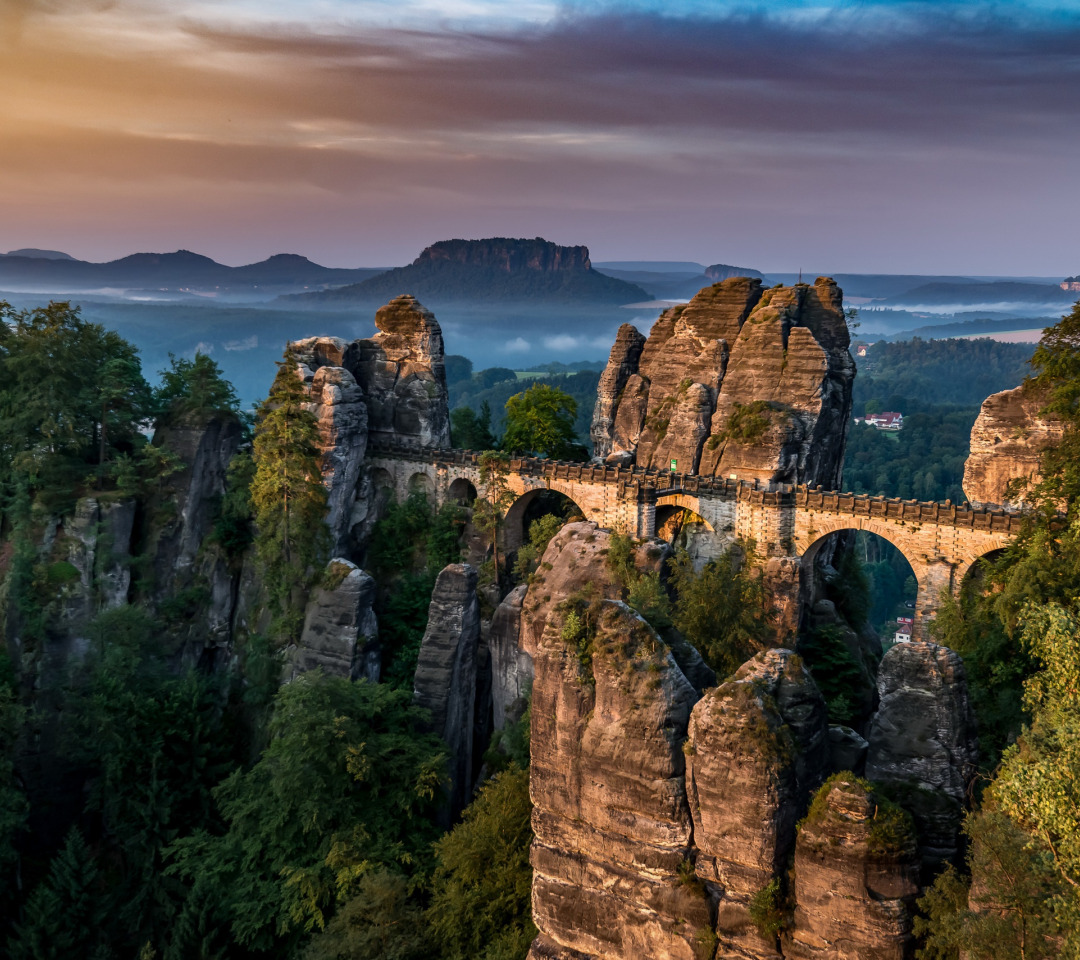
x=651, y=482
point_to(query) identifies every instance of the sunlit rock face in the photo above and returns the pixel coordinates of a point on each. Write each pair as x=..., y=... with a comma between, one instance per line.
x=855, y=880
x=740, y=380
x=610, y=710
x=757, y=747
x=1007, y=443
x=388, y=389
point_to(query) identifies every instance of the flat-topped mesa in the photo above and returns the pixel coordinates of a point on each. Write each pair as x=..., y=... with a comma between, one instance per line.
x=509, y=254
x=740, y=380
x=1008, y=440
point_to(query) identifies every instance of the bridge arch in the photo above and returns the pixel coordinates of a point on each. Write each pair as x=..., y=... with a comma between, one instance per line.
x=888, y=599
x=969, y=564
x=421, y=482
x=528, y=507
x=462, y=490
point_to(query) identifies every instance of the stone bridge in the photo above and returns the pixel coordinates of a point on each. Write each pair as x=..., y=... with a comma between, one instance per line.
x=941, y=541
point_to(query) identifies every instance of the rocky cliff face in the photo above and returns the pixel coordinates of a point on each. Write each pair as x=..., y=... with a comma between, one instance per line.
x=740, y=380
x=757, y=747
x=609, y=712
x=389, y=389
x=1007, y=443
x=509, y=255
x=856, y=869
x=923, y=740
x=446, y=673
x=340, y=628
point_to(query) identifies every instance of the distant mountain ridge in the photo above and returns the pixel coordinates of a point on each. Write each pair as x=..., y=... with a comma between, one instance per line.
x=183, y=269
x=1001, y=291
x=496, y=268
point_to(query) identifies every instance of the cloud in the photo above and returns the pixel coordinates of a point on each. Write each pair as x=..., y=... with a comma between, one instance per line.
x=517, y=345
x=709, y=133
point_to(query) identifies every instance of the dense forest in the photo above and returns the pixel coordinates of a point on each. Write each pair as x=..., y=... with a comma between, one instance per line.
x=156, y=801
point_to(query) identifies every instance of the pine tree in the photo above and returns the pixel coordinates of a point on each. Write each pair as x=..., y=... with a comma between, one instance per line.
x=64, y=915
x=287, y=491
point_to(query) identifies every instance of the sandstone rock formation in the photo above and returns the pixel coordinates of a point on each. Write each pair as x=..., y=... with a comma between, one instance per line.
x=757, y=748
x=445, y=682
x=337, y=402
x=388, y=389
x=923, y=740
x=855, y=878
x=511, y=667
x=1007, y=443
x=740, y=380
x=340, y=628
x=96, y=541
x=612, y=823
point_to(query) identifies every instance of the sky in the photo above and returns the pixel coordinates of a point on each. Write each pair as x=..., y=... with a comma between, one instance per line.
x=892, y=137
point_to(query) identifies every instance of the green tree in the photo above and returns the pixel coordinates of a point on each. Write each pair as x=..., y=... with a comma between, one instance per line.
x=13, y=805
x=481, y=889
x=348, y=783
x=472, y=431
x=288, y=495
x=194, y=388
x=496, y=497
x=723, y=610
x=72, y=401
x=65, y=915
x=540, y=422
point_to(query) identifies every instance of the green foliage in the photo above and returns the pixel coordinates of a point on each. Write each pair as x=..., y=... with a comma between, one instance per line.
x=13, y=804
x=470, y=430
x=769, y=909
x=747, y=423
x=65, y=916
x=890, y=831
x=850, y=590
x=383, y=921
x=481, y=888
x=540, y=534
x=348, y=784
x=911, y=375
x=72, y=402
x=234, y=524
x=580, y=386
x=723, y=610
x=540, y=422
x=458, y=369
x=643, y=592
x=511, y=744
x=194, y=389
x=403, y=617
x=157, y=744
x=411, y=537
x=834, y=669
x=1015, y=877
x=496, y=497
x=288, y=496
x=580, y=614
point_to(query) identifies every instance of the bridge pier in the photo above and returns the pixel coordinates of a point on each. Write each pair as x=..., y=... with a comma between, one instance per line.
x=933, y=577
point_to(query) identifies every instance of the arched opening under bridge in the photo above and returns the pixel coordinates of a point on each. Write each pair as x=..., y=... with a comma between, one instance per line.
x=687, y=530
x=462, y=492
x=530, y=507
x=868, y=581
x=423, y=484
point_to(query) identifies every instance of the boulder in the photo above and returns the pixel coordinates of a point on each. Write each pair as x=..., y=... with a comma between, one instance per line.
x=757, y=747
x=340, y=628
x=1007, y=443
x=923, y=740
x=445, y=681
x=847, y=750
x=856, y=871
